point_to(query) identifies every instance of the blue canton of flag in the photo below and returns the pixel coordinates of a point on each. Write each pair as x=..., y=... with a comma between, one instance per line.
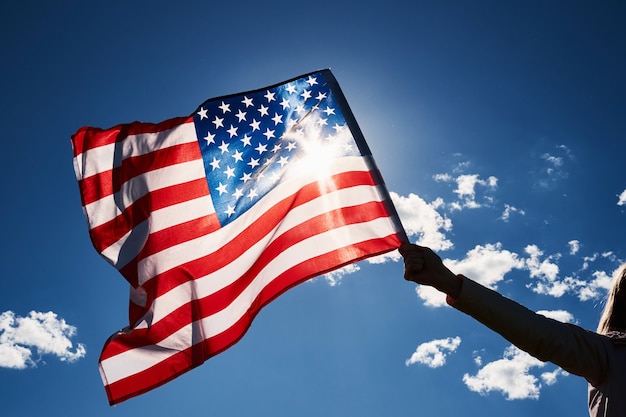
x=251, y=142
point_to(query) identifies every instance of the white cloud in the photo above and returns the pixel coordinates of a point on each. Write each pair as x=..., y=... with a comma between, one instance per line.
x=393, y=256
x=546, y=272
x=553, y=162
x=484, y=264
x=466, y=185
x=585, y=290
x=509, y=375
x=14, y=356
x=43, y=333
x=610, y=255
x=335, y=277
x=574, y=247
x=588, y=259
x=566, y=151
x=443, y=177
x=422, y=219
x=597, y=288
x=466, y=189
x=622, y=198
x=554, y=170
x=430, y=296
x=433, y=353
x=545, y=269
x=461, y=166
x=549, y=378
x=560, y=315
x=508, y=211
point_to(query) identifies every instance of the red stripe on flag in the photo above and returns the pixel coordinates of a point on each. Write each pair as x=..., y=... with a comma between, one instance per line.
x=233, y=249
x=87, y=138
x=193, y=356
x=108, y=233
x=180, y=233
x=110, y=182
x=216, y=302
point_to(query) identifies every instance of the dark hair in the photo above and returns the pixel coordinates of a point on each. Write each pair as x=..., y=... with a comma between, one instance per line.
x=613, y=317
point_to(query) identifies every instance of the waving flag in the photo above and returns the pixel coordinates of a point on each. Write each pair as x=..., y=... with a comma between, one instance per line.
x=210, y=217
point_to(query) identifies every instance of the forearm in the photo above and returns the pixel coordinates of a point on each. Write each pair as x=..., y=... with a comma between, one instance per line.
x=449, y=284
x=576, y=350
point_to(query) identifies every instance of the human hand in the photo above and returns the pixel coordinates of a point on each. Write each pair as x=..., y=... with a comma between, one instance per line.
x=423, y=266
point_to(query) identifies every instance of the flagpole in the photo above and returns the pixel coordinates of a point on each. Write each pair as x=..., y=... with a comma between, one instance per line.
x=391, y=208
x=365, y=151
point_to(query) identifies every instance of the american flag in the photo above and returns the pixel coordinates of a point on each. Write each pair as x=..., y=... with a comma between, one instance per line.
x=210, y=217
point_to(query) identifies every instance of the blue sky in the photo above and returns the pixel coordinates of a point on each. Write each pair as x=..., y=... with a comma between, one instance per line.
x=498, y=127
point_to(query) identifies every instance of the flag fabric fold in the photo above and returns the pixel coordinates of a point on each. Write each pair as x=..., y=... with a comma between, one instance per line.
x=210, y=217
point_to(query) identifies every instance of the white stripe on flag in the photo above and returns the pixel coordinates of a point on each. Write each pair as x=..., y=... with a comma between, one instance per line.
x=204, y=245
x=136, y=360
x=111, y=206
x=98, y=160
x=159, y=220
x=214, y=282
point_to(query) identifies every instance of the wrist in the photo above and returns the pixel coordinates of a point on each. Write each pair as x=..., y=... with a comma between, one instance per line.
x=455, y=289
